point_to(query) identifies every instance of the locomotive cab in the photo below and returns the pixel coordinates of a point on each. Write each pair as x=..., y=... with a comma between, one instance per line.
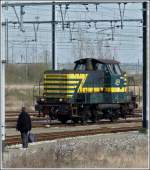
x=107, y=74
x=106, y=66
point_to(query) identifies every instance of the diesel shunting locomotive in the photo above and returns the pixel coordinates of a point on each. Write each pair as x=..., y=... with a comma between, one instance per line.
x=94, y=90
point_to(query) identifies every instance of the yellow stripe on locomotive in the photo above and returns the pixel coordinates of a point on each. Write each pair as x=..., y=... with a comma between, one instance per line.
x=66, y=85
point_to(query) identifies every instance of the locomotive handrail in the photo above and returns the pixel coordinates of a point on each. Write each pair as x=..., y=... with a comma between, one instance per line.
x=38, y=84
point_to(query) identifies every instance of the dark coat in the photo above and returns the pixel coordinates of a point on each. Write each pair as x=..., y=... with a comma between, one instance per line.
x=23, y=122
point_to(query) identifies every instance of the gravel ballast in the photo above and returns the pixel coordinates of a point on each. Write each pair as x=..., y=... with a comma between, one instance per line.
x=118, y=150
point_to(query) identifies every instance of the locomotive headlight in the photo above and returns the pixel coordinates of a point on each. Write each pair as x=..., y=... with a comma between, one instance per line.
x=42, y=99
x=60, y=100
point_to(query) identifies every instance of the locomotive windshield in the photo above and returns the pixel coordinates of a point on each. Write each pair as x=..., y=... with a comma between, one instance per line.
x=104, y=66
x=101, y=67
x=80, y=67
x=115, y=69
x=85, y=65
x=88, y=65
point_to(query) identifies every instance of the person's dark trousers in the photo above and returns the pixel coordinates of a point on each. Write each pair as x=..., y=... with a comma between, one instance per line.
x=24, y=137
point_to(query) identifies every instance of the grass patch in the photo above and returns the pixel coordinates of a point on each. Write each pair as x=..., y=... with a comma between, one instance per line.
x=17, y=98
x=24, y=74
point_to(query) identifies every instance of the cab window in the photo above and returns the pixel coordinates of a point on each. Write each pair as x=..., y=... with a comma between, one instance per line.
x=98, y=66
x=80, y=67
x=115, y=69
x=101, y=67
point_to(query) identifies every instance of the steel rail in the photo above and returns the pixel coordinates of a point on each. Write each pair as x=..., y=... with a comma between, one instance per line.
x=56, y=124
x=31, y=111
x=11, y=140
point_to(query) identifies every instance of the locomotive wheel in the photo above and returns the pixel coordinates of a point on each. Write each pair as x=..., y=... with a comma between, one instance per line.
x=75, y=119
x=94, y=117
x=63, y=119
x=84, y=117
x=113, y=115
x=83, y=122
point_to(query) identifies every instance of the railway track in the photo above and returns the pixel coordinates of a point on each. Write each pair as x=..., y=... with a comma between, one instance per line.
x=36, y=124
x=35, y=118
x=11, y=119
x=11, y=140
x=33, y=113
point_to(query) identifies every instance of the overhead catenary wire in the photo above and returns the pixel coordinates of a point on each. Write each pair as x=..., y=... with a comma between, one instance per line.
x=70, y=29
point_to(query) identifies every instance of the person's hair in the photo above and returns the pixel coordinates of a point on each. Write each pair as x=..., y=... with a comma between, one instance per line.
x=23, y=109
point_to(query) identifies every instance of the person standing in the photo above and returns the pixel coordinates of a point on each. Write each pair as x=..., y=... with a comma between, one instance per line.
x=24, y=125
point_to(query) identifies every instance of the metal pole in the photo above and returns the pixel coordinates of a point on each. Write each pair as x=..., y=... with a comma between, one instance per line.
x=26, y=60
x=12, y=54
x=144, y=64
x=53, y=37
x=21, y=18
x=2, y=99
x=148, y=61
x=3, y=56
x=6, y=39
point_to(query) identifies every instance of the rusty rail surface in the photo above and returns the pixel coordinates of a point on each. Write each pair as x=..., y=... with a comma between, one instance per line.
x=37, y=124
x=31, y=112
x=35, y=118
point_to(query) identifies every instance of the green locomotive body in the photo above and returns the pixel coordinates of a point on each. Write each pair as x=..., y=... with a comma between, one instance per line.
x=95, y=89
